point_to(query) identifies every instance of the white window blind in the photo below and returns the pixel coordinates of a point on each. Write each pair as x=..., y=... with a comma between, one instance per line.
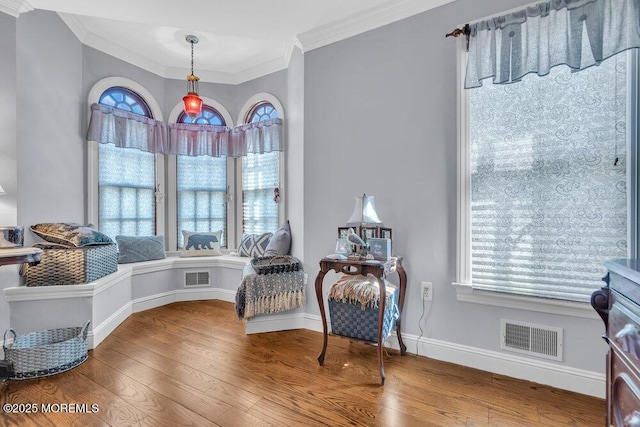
x=202, y=195
x=126, y=187
x=548, y=197
x=260, y=177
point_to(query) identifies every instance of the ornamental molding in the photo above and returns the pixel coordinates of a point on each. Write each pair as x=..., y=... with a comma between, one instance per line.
x=15, y=7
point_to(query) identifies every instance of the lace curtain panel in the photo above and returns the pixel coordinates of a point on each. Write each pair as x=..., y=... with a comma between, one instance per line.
x=216, y=141
x=127, y=130
x=578, y=33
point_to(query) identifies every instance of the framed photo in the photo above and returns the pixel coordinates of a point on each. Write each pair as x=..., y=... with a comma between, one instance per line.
x=342, y=232
x=368, y=233
x=385, y=233
x=380, y=248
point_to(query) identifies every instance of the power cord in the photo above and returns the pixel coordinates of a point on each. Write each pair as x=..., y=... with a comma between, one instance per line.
x=424, y=311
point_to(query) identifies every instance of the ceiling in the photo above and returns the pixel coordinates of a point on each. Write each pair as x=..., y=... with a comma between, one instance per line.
x=239, y=40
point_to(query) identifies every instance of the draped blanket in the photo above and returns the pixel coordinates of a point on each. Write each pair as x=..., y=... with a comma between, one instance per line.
x=360, y=289
x=268, y=293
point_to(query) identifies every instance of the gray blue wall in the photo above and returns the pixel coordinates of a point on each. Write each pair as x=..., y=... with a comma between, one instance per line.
x=372, y=114
x=380, y=118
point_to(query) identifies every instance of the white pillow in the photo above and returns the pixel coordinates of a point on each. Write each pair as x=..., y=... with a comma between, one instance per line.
x=201, y=244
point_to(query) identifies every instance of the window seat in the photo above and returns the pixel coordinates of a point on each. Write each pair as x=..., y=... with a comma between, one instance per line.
x=135, y=287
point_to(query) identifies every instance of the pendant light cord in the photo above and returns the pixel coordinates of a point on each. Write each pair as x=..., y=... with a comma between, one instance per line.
x=191, y=57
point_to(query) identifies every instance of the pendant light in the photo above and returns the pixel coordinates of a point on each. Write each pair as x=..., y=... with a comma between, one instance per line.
x=192, y=102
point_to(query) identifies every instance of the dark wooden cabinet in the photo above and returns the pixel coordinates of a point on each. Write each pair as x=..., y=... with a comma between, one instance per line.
x=618, y=304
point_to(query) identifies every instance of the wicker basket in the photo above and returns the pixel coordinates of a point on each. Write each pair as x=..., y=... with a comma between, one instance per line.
x=72, y=266
x=349, y=319
x=275, y=264
x=44, y=353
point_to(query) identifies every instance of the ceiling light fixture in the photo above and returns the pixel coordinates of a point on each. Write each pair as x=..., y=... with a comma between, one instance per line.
x=192, y=102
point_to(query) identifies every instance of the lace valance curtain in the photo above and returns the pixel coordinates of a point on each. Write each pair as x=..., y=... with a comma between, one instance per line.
x=257, y=138
x=578, y=33
x=130, y=130
x=127, y=130
x=216, y=141
x=199, y=140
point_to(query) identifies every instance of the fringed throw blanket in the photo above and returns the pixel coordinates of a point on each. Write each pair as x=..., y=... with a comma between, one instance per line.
x=359, y=289
x=268, y=293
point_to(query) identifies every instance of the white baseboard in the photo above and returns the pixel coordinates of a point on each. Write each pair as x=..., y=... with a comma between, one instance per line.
x=179, y=295
x=538, y=371
x=97, y=333
x=275, y=322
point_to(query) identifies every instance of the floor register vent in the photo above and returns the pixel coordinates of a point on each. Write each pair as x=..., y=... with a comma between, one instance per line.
x=194, y=279
x=535, y=340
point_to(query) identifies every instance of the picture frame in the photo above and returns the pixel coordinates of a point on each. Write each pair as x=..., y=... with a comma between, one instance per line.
x=380, y=248
x=385, y=233
x=342, y=232
x=368, y=233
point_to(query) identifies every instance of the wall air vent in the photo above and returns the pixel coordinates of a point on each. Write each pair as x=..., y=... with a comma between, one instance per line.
x=535, y=340
x=193, y=279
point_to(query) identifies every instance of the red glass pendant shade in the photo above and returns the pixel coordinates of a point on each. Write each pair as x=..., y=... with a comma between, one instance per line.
x=192, y=104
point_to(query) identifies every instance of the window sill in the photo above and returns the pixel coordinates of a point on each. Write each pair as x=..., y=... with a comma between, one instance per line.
x=466, y=293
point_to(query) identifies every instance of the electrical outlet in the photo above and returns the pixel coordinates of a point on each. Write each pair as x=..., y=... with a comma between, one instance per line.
x=427, y=291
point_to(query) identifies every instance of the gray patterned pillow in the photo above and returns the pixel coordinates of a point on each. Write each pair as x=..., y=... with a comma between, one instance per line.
x=254, y=245
x=70, y=234
x=280, y=243
x=140, y=248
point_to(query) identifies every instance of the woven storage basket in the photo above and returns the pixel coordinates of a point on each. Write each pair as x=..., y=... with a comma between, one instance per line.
x=350, y=320
x=72, y=266
x=275, y=264
x=44, y=353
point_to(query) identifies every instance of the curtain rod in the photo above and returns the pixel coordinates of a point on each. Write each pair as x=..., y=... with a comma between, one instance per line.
x=466, y=30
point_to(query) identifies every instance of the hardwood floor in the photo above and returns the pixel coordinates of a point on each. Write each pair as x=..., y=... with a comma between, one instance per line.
x=190, y=363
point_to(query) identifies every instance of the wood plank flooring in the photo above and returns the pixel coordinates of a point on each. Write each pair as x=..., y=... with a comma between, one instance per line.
x=190, y=363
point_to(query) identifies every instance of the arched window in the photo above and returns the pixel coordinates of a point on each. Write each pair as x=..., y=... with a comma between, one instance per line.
x=126, y=176
x=262, y=111
x=201, y=184
x=261, y=180
x=209, y=116
x=125, y=99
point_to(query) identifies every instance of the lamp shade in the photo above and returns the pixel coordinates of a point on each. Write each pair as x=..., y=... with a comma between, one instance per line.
x=364, y=212
x=192, y=104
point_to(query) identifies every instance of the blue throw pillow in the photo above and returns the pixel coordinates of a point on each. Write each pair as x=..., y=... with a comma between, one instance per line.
x=140, y=248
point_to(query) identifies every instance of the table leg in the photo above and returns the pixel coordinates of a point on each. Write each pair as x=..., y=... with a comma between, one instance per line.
x=381, y=308
x=403, y=288
x=323, y=316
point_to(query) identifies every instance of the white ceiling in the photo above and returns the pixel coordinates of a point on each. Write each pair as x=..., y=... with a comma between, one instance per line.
x=239, y=40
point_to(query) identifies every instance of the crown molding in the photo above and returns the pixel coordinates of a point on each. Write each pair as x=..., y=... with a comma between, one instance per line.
x=205, y=76
x=15, y=7
x=362, y=22
x=90, y=39
x=355, y=24
x=276, y=64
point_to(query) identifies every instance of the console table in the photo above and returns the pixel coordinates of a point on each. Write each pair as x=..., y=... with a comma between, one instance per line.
x=379, y=270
